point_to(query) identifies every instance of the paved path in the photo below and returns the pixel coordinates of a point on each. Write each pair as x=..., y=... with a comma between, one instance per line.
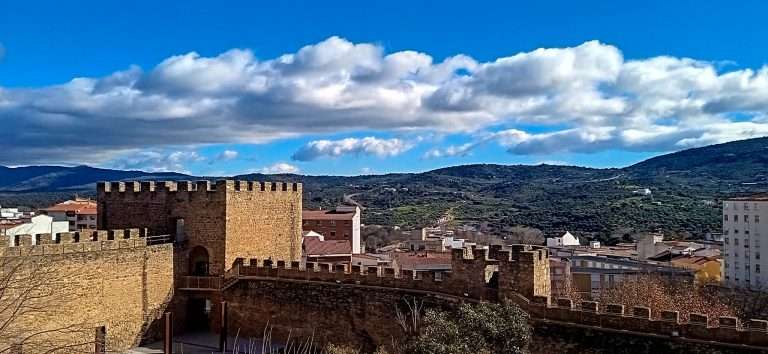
x=199, y=343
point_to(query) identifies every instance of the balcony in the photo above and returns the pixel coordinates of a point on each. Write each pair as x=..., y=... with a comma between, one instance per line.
x=200, y=283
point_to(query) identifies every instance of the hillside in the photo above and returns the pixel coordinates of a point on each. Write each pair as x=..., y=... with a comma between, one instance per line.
x=605, y=203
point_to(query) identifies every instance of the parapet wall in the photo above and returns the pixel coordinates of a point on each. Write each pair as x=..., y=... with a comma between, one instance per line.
x=197, y=186
x=72, y=242
x=638, y=319
x=468, y=277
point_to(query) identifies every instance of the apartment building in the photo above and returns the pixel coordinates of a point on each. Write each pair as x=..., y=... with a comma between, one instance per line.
x=743, y=234
x=79, y=213
x=341, y=223
x=591, y=275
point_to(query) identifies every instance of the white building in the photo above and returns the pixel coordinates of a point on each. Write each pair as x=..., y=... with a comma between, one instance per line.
x=80, y=213
x=566, y=240
x=41, y=224
x=743, y=234
x=10, y=213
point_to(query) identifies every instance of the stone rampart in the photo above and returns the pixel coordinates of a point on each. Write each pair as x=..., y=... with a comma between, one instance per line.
x=279, y=290
x=78, y=288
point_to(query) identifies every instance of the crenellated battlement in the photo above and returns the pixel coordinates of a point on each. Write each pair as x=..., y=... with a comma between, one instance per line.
x=517, y=253
x=75, y=242
x=618, y=317
x=471, y=272
x=106, y=188
x=378, y=276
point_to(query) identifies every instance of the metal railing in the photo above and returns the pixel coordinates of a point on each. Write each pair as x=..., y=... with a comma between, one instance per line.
x=201, y=282
x=159, y=239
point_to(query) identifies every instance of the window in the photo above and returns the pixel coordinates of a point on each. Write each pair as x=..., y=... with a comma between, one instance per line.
x=746, y=232
x=736, y=241
x=757, y=268
x=757, y=255
x=333, y=222
x=333, y=233
x=726, y=232
x=735, y=231
x=726, y=241
x=746, y=206
x=725, y=217
x=346, y=236
x=757, y=219
x=746, y=218
x=735, y=218
x=746, y=267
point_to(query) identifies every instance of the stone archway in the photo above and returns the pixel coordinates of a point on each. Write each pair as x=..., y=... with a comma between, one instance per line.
x=199, y=263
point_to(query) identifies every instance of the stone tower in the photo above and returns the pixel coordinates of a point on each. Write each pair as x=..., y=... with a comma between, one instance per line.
x=213, y=223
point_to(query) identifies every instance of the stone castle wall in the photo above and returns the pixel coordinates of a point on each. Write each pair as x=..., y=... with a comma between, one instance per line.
x=354, y=304
x=79, y=282
x=362, y=316
x=357, y=305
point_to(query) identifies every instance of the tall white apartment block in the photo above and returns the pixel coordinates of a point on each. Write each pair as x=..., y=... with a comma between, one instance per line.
x=745, y=238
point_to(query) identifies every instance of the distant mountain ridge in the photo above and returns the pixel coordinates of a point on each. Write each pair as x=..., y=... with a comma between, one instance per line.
x=605, y=203
x=57, y=178
x=738, y=161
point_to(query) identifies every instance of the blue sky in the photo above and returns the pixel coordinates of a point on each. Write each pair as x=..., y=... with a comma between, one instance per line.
x=387, y=87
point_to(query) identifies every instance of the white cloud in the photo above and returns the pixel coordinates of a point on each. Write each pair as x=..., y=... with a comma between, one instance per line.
x=590, y=96
x=157, y=161
x=450, y=151
x=352, y=146
x=279, y=168
x=227, y=155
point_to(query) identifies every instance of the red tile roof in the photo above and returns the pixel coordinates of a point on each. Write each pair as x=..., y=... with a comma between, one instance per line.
x=79, y=206
x=314, y=247
x=326, y=215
